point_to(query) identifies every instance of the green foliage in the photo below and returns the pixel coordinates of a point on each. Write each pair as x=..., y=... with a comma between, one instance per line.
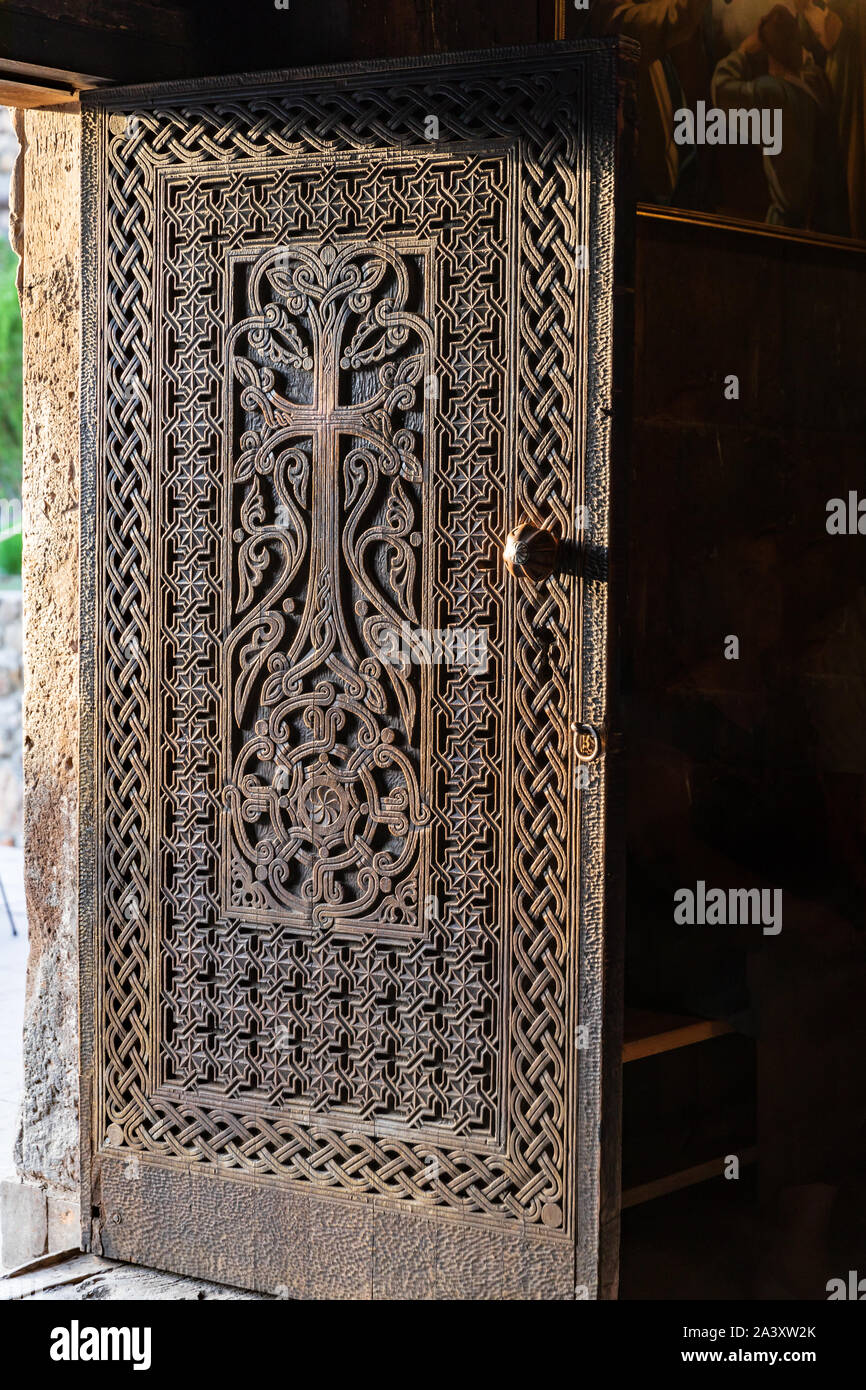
x=10, y=375
x=10, y=553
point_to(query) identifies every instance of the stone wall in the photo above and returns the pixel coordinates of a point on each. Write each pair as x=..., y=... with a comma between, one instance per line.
x=11, y=686
x=47, y=1148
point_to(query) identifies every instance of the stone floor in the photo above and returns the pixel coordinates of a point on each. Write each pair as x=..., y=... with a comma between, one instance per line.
x=72, y=1276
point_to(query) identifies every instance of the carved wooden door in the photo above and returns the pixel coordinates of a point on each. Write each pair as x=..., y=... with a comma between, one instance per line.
x=344, y=896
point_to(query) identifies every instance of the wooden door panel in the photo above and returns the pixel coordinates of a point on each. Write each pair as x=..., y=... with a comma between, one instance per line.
x=343, y=889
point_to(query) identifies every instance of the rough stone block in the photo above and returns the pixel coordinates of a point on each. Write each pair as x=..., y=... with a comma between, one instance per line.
x=23, y=1222
x=64, y=1222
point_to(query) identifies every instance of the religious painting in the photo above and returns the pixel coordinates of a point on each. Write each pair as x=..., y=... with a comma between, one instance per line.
x=749, y=109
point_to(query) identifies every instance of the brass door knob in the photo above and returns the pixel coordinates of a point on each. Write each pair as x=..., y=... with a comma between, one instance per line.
x=530, y=553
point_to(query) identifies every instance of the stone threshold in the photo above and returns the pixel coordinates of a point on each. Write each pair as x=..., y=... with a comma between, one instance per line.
x=75, y=1276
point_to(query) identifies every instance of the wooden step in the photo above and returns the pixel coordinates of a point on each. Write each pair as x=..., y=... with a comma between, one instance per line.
x=646, y=1033
x=686, y=1177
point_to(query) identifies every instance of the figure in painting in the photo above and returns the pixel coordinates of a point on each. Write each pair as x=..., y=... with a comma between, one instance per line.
x=659, y=26
x=770, y=70
x=835, y=34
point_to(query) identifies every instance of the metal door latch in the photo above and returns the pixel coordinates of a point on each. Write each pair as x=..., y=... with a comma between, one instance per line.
x=587, y=742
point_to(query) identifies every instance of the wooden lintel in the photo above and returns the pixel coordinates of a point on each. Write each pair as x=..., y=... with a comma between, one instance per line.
x=15, y=92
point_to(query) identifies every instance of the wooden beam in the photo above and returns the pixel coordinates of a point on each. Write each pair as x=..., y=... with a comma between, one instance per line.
x=126, y=41
x=40, y=76
x=26, y=95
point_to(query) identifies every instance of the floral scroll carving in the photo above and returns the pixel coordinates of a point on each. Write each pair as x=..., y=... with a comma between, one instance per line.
x=326, y=816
